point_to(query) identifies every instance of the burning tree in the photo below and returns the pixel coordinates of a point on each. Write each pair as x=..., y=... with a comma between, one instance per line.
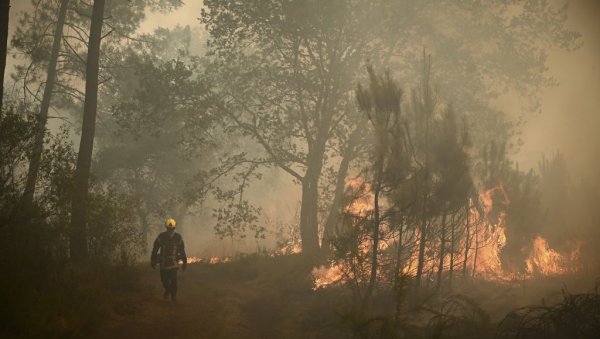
x=425, y=207
x=381, y=103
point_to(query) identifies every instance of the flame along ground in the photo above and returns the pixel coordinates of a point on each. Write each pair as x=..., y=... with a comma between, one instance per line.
x=285, y=250
x=486, y=241
x=210, y=260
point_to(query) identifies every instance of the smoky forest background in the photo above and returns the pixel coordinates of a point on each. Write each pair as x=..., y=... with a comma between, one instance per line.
x=337, y=168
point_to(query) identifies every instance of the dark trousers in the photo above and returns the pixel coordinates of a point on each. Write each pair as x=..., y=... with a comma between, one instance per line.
x=169, y=280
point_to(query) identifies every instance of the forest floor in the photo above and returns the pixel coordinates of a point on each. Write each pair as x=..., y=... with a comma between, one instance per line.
x=251, y=298
x=263, y=297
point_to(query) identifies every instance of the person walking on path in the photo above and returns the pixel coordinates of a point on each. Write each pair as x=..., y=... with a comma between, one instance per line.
x=167, y=252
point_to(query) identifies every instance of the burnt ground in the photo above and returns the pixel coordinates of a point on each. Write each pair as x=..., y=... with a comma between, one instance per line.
x=263, y=297
x=250, y=298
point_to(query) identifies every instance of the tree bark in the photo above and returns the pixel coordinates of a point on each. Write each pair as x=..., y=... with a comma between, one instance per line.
x=467, y=239
x=4, y=18
x=309, y=231
x=422, y=242
x=376, y=222
x=78, y=240
x=398, y=266
x=452, y=241
x=38, y=144
x=440, y=272
x=340, y=187
x=309, y=223
x=476, y=249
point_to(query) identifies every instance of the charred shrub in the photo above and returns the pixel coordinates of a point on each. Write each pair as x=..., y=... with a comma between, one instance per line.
x=577, y=316
x=458, y=317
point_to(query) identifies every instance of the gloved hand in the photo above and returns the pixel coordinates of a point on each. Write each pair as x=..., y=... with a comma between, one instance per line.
x=153, y=265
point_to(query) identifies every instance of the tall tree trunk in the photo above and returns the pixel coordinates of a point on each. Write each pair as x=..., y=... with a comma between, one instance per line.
x=452, y=240
x=4, y=17
x=340, y=187
x=309, y=223
x=78, y=241
x=476, y=249
x=426, y=96
x=398, y=266
x=309, y=231
x=398, y=277
x=376, y=222
x=38, y=144
x=467, y=239
x=440, y=271
x=422, y=242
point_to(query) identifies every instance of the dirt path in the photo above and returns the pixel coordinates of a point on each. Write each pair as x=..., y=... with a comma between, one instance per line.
x=202, y=304
x=268, y=298
x=214, y=301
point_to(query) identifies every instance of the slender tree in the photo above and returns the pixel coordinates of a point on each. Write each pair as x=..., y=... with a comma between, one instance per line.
x=42, y=119
x=4, y=10
x=424, y=104
x=78, y=245
x=349, y=153
x=381, y=103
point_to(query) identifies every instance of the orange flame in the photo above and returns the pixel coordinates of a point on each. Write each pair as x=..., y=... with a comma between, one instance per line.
x=324, y=276
x=487, y=239
x=211, y=260
x=289, y=248
x=193, y=260
x=363, y=198
x=545, y=261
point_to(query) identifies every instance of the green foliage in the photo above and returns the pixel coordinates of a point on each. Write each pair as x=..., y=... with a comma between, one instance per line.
x=160, y=145
x=45, y=296
x=280, y=72
x=112, y=230
x=17, y=131
x=236, y=219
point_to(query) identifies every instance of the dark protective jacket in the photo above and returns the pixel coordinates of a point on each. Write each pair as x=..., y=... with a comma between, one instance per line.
x=168, y=249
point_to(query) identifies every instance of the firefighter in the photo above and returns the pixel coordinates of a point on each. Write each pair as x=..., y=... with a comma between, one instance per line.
x=168, y=251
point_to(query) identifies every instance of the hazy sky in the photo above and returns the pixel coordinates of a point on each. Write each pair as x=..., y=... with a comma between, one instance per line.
x=570, y=113
x=570, y=116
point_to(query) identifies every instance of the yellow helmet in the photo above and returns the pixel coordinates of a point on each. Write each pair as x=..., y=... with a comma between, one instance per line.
x=170, y=223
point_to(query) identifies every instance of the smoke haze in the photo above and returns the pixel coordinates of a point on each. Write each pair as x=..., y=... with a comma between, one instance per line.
x=569, y=117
